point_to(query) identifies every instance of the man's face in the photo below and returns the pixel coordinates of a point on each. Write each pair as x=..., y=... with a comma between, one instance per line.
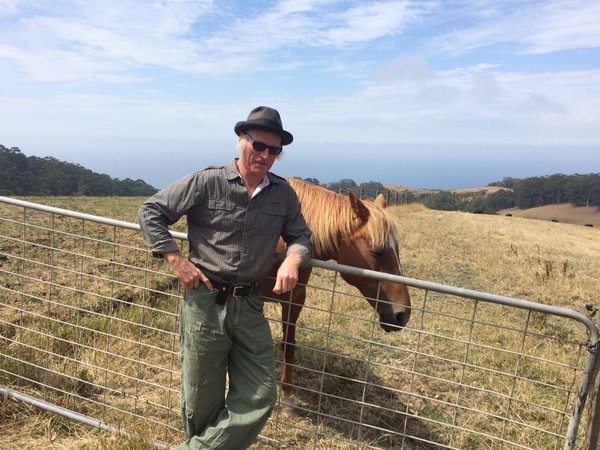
x=258, y=163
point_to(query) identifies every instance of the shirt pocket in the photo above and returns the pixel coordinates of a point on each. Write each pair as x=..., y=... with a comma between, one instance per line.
x=272, y=220
x=221, y=214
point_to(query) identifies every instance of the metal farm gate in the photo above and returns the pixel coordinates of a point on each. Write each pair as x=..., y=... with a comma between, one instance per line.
x=89, y=330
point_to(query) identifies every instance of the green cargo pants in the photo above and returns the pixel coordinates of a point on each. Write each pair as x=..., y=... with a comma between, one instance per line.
x=217, y=340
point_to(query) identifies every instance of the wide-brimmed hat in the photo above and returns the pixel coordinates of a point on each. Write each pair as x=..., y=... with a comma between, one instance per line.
x=267, y=119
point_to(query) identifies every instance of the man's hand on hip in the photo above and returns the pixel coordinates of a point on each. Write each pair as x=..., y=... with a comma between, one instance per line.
x=186, y=272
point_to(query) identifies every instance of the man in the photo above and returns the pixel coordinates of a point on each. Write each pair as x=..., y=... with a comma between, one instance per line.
x=235, y=215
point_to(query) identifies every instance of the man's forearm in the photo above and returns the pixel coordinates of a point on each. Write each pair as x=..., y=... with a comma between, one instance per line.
x=294, y=258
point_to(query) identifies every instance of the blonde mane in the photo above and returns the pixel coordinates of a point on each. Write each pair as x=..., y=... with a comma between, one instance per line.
x=330, y=217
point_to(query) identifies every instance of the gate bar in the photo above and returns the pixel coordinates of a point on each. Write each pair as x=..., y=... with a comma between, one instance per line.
x=67, y=413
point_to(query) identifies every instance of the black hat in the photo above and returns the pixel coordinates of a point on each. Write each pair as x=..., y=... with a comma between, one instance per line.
x=267, y=119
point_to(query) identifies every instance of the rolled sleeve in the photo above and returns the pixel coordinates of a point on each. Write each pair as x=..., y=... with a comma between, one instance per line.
x=155, y=229
x=164, y=209
x=301, y=249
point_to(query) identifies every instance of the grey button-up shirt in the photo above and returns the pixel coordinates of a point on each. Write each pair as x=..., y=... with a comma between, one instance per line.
x=230, y=235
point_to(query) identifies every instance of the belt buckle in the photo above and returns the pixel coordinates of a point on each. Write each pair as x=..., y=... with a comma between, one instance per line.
x=234, y=291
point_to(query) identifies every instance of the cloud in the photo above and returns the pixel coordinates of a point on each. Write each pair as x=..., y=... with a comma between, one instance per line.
x=119, y=41
x=62, y=66
x=406, y=67
x=475, y=104
x=540, y=104
x=535, y=27
x=9, y=7
x=366, y=22
x=84, y=40
x=564, y=26
x=287, y=7
x=103, y=41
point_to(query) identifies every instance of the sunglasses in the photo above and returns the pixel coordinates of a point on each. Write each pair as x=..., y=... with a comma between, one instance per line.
x=261, y=147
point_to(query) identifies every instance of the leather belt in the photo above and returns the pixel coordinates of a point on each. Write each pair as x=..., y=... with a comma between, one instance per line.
x=228, y=289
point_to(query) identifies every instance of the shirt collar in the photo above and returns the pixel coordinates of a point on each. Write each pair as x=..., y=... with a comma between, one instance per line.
x=232, y=173
x=263, y=184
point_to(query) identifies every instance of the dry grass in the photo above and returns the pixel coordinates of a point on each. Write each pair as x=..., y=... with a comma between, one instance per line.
x=564, y=213
x=25, y=427
x=543, y=262
x=398, y=188
x=547, y=262
x=553, y=263
x=487, y=189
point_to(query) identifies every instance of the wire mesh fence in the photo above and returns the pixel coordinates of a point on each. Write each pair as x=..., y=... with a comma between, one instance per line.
x=89, y=324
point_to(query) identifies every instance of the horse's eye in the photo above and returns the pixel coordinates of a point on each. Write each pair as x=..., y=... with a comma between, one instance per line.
x=377, y=253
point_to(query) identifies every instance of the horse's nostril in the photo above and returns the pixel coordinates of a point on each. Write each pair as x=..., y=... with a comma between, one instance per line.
x=401, y=319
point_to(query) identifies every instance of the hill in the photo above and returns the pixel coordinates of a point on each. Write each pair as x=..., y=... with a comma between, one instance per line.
x=400, y=188
x=579, y=190
x=564, y=213
x=31, y=175
x=472, y=190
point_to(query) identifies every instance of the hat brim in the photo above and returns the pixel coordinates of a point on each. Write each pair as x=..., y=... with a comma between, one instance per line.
x=286, y=137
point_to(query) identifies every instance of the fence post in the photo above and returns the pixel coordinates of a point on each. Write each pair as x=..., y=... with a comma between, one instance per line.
x=592, y=433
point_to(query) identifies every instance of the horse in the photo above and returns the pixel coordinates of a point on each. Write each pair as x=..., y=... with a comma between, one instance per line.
x=353, y=232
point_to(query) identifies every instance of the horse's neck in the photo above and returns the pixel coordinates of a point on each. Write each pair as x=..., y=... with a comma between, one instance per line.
x=308, y=194
x=331, y=242
x=325, y=254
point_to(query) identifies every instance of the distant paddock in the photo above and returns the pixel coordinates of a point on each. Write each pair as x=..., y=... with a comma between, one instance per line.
x=563, y=213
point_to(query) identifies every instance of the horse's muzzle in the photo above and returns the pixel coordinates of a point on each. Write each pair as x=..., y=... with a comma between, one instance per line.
x=399, y=322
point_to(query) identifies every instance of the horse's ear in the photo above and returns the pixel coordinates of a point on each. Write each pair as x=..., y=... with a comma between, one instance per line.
x=380, y=201
x=358, y=207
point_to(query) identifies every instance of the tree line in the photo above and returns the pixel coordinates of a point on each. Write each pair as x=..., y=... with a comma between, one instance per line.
x=578, y=189
x=31, y=175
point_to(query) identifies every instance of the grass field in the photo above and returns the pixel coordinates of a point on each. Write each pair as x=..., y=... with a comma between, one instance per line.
x=542, y=261
x=564, y=213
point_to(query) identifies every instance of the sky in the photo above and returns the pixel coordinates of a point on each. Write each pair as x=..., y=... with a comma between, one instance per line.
x=440, y=94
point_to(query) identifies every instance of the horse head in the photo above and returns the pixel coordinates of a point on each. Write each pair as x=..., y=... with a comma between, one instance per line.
x=373, y=245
